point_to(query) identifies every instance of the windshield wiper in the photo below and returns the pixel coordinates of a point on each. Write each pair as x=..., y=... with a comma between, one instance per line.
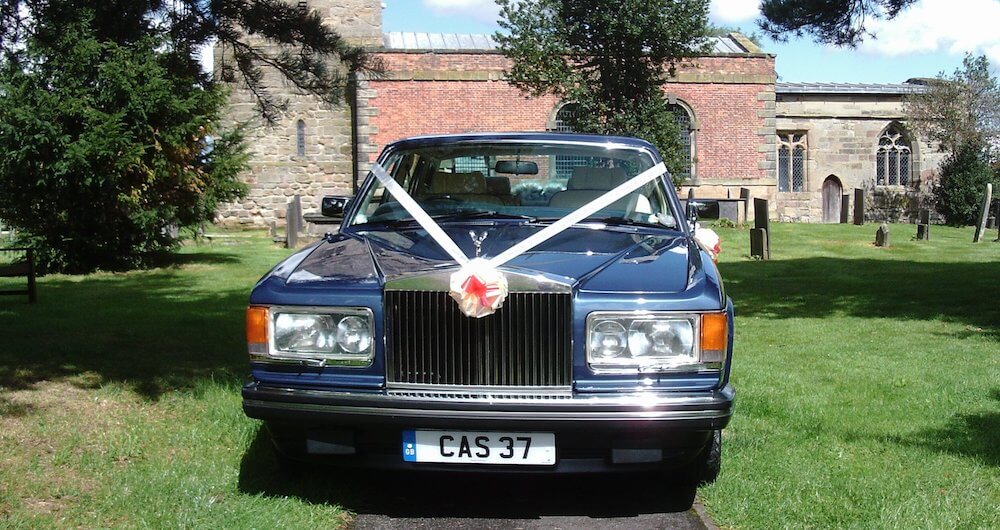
x=624, y=221
x=468, y=214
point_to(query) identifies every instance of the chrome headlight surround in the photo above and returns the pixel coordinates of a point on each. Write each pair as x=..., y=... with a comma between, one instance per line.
x=622, y=342
x=317, y=335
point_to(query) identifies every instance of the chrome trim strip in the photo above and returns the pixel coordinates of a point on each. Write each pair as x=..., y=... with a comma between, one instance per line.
x=538, y=391
x=517, y=282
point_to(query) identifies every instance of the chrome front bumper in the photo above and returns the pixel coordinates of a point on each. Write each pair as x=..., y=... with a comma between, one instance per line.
x=707, y=409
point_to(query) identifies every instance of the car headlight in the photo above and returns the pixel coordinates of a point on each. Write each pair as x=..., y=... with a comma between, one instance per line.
x=656, y=341
x=314, y=335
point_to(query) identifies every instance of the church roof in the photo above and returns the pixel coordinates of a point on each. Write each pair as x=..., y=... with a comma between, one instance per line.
x=409, y=40
x=849, y=88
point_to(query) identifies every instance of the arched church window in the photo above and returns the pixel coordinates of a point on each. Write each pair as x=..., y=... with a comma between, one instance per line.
x=792, y=161
x=563, y=123
x=892, y=158
x=564, y=117
x=684, y=122
x=300, y=138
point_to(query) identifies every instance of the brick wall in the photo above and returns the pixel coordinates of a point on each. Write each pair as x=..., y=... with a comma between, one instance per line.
x=439, y=93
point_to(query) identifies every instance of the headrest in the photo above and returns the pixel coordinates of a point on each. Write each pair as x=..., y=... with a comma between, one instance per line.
x=498, y=185
x=596, y=178
x=459, y=183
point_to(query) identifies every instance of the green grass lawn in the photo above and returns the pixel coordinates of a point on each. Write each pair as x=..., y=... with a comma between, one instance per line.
x=868, y=392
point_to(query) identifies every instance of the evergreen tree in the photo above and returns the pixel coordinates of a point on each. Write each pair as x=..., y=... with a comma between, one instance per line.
x=837, y=22
x=106, y=151
x=111, y=130
x=610, y=59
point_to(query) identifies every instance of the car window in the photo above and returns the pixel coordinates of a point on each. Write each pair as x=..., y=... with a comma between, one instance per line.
x=544, y=181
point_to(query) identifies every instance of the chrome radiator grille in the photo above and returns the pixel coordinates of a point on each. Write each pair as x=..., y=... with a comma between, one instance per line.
x=525, y=343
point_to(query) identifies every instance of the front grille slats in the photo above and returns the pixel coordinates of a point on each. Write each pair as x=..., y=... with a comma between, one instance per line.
x=525, y=343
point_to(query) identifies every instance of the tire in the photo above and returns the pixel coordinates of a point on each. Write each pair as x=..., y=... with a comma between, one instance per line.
x=288, y=448
x=706, y=466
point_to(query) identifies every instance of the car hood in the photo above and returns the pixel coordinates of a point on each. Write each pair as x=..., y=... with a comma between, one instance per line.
x=586, y=257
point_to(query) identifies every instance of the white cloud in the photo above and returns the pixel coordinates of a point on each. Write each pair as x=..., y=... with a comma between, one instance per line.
x=734, y=11
x=939, y=25
x=483, y=10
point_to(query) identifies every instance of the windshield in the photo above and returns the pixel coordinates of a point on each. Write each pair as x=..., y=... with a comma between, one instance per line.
x=517, y=180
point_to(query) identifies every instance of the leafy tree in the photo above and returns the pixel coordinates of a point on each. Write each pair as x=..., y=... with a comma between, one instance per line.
x=610, y=58
x=959, y=191
x=837, y=22
x=959, y=110
x=106, y=152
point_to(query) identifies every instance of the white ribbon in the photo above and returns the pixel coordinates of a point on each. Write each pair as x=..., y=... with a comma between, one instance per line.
x=420, y=216
x=581, y=213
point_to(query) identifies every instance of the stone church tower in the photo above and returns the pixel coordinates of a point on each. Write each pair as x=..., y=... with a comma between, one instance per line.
x=309, y=151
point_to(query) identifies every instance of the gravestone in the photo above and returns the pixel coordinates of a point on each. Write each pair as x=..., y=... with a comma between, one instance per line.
x=758, y=243
x=981, y=227
x=924, y=226
x=760, y=240
x=882, y=236
x=859, y=206
x=745, y=199
x=845, y=209
x=293, y=222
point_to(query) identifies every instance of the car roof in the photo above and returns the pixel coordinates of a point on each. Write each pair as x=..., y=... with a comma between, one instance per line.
x=513, y=137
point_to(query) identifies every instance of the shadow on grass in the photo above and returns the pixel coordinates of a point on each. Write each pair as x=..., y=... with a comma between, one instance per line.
x=968, y=435
x=467, y=496
x=152, y=331
x=964, y=292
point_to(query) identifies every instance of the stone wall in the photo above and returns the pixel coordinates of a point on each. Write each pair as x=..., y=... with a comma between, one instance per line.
x=277, y=170
x=842, y=134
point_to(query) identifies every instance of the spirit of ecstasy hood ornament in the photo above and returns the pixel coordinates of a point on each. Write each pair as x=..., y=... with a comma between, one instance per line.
x=478, y=240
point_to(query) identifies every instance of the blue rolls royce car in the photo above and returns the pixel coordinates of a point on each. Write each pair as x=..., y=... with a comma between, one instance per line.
x=611, y=349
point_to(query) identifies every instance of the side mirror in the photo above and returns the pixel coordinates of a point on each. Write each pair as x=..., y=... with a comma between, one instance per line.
x=335, y=205
x=692, y=213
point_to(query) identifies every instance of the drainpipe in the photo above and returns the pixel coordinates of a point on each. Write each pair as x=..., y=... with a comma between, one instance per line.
x=352, y=102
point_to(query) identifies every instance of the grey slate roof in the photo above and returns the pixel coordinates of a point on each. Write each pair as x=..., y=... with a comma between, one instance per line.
x=849, y=88
x=408, y=40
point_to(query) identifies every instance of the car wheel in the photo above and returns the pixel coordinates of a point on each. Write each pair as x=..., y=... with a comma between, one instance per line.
x=288, y=449
x=706, y=466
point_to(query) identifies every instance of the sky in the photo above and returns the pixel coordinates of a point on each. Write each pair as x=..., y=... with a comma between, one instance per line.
x=930, y=37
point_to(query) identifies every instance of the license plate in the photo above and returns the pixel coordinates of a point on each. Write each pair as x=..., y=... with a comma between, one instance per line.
x=463, y=447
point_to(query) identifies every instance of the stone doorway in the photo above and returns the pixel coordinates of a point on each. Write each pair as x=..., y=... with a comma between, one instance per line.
x=832, y=191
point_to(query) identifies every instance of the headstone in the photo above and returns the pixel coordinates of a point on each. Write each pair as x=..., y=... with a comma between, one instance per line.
x=981, y=227
x=998, y=223
x=924, y=225
x=859, y=206
x=882, y=236
x=845, y=209
x=761, y=233
x=745, y=199
x=293, y=222
x=759, y=244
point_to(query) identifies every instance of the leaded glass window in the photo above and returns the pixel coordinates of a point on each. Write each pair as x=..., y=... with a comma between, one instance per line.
x=792, y=161
x=683, y=121
x=892, y=158
x=300, y=138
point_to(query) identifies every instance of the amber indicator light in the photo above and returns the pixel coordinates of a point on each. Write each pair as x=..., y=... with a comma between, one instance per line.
x=256, y=325
x=714, y=332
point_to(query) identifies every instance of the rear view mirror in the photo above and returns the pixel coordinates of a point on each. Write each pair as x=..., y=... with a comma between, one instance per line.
x=516, y=167
x=334, y=205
